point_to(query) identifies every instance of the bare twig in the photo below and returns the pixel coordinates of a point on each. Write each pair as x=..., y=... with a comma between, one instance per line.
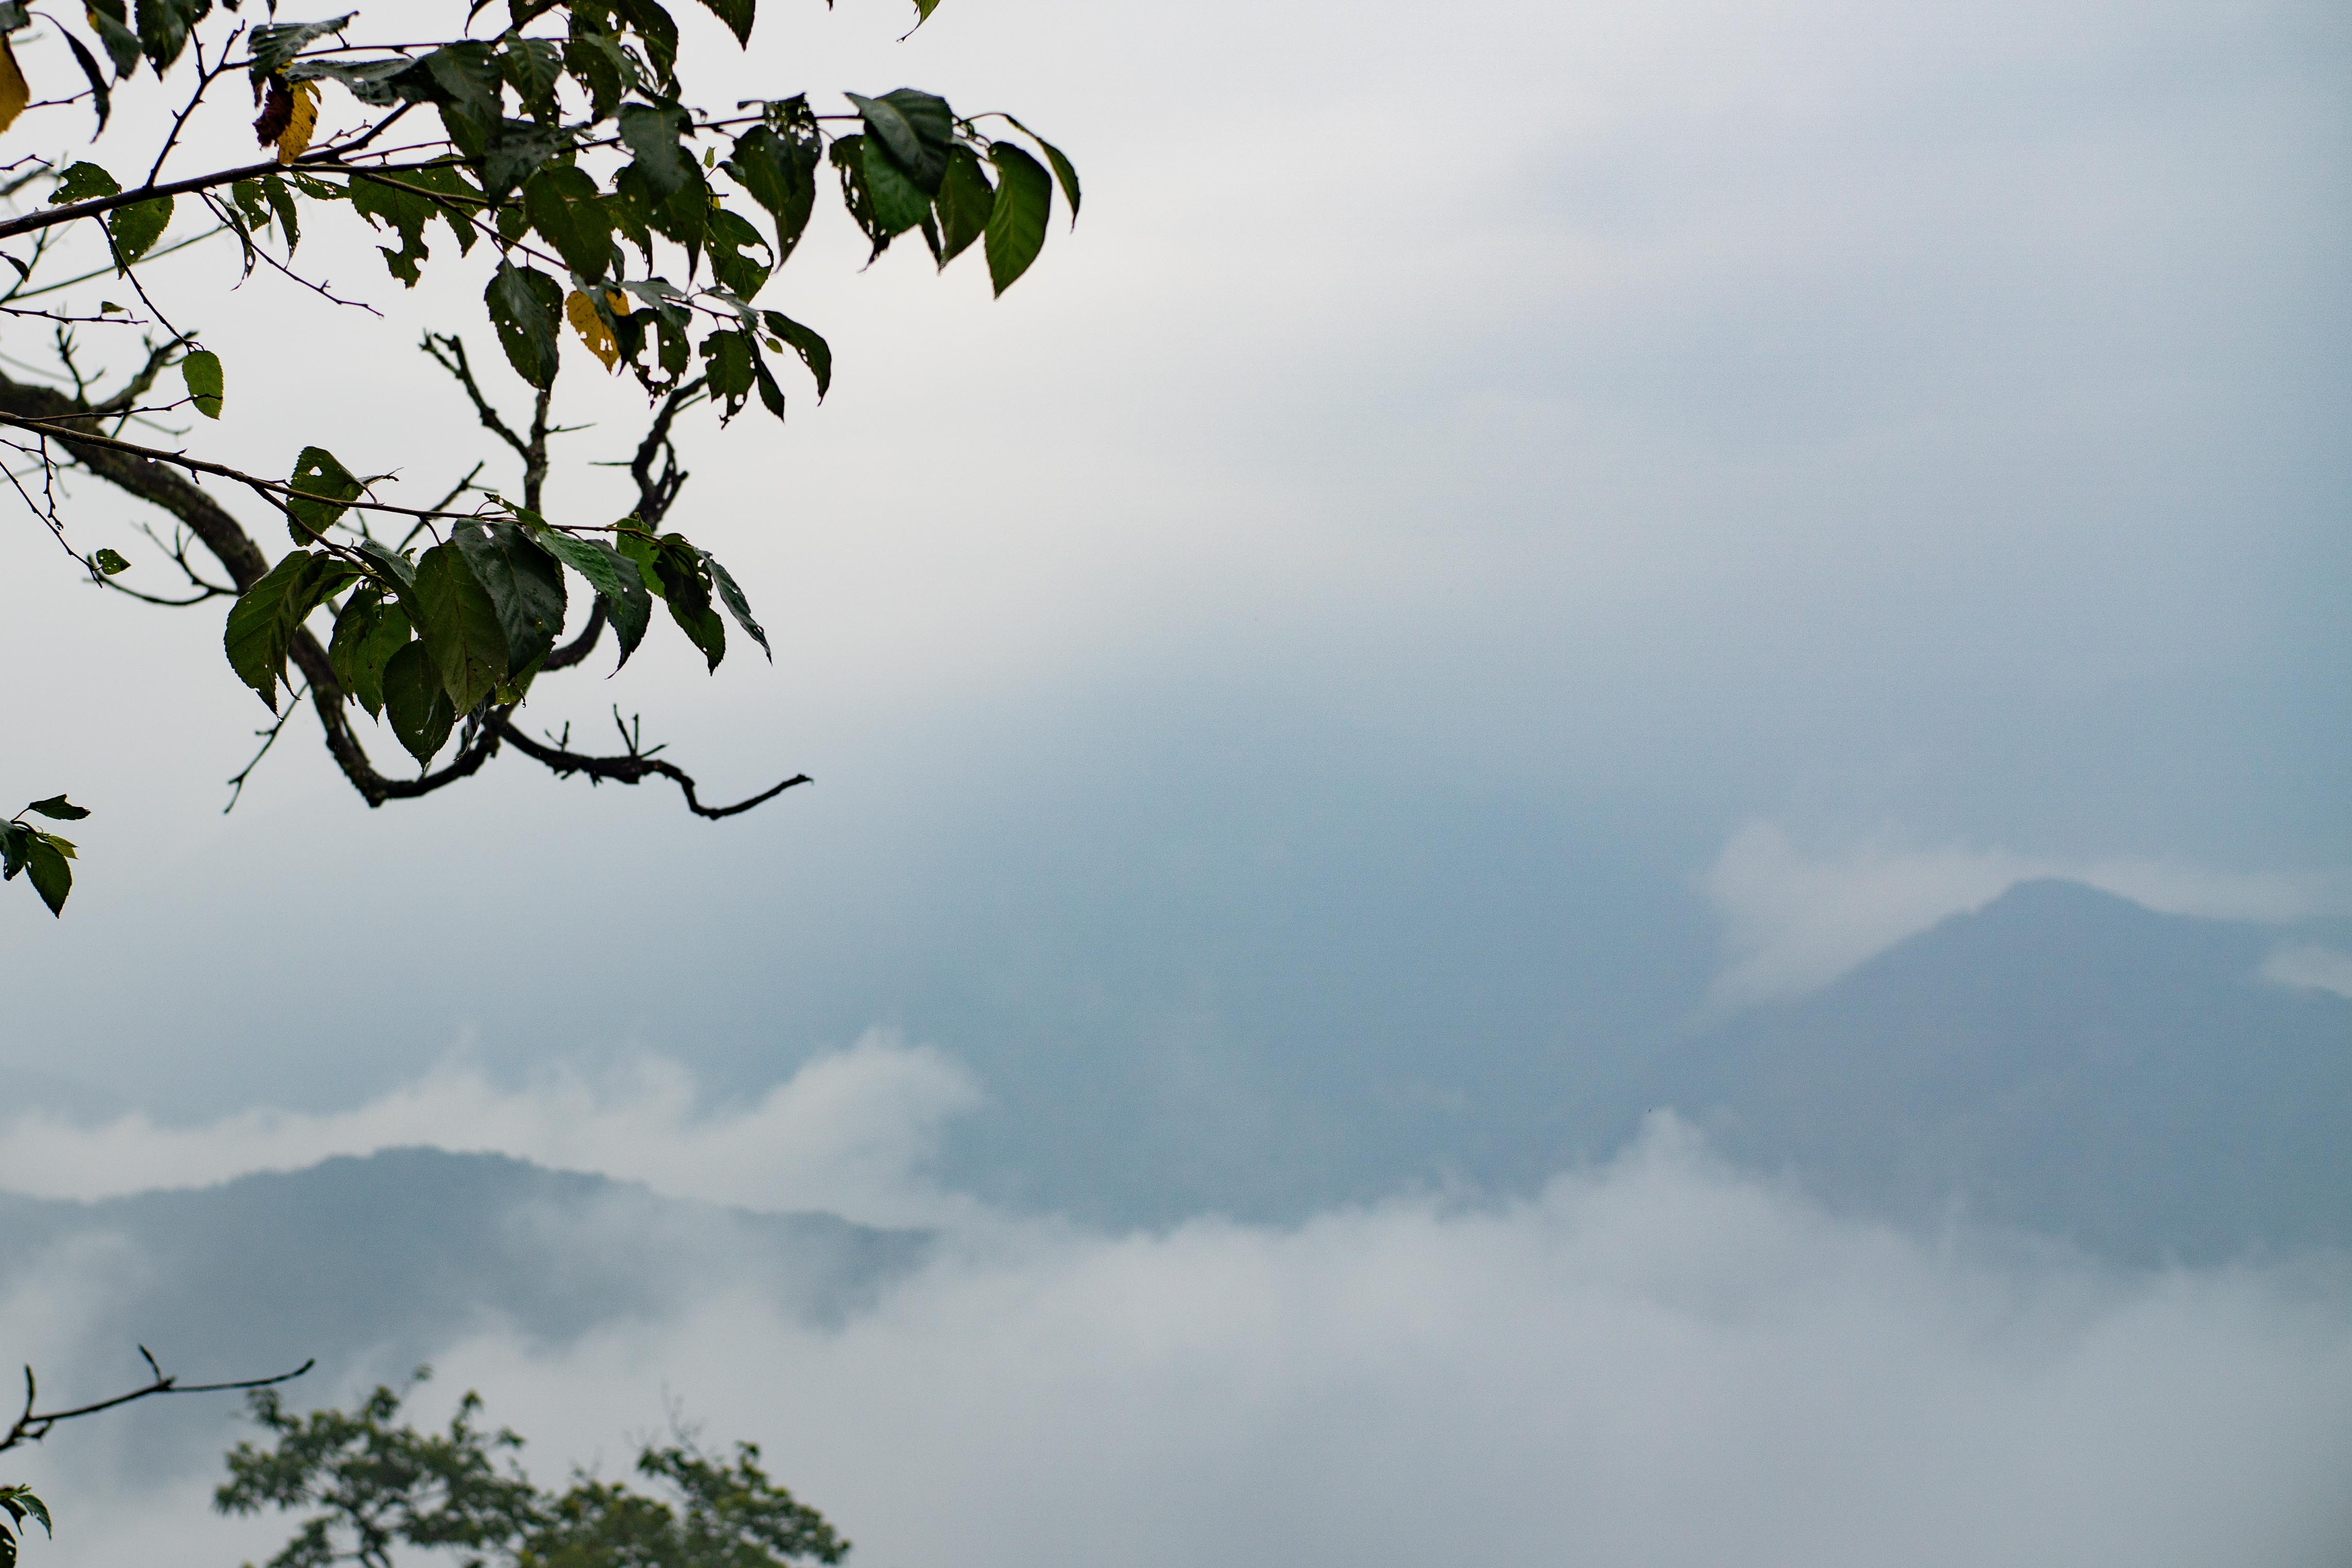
x=33, y=1425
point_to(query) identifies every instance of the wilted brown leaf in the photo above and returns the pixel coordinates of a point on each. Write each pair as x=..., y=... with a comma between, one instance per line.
x=14, y=94
x=276, y=110
x=301, y=120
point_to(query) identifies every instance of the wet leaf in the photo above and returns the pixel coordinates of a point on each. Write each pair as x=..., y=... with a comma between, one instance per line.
x=111, y=562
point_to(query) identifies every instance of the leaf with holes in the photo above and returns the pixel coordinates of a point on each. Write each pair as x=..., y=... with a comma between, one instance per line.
x=524, y=306
x=135, y=228
x=326, y=487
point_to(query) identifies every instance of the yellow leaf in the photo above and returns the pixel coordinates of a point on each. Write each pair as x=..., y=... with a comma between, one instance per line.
x=296, y=137
x=14, y=94
x=591, y=329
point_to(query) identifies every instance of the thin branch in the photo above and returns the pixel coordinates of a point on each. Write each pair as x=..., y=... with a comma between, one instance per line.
x=268, y=738
x=34, y=1425
x=632, y=769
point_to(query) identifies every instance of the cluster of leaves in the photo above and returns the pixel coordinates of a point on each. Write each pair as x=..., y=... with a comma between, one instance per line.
x=421, y=640
x=46, y=861
x=373, y=1486
x=561, y=152
x=19, y=1504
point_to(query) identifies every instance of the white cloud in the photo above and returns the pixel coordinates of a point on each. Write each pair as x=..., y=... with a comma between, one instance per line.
x=849, y=1133
x=2310, y=968
x=1793, y=922
x=1654, y=1364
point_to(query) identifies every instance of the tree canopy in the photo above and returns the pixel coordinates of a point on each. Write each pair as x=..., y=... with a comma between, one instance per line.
x=555, y=148
x=364, y=1486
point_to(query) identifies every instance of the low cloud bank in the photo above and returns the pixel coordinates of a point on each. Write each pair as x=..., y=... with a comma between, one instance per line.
x=1794, y=921
x=1658, y=1362
x=850, y=1132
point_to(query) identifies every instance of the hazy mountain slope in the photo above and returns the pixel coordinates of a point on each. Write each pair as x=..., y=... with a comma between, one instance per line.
x=2061, y=1060
x=374, y=1265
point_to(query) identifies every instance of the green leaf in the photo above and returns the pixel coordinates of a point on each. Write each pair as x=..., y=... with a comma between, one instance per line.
x=729, y=233
x=108, y=19
x=263, y=622
x=676, y=571
x=163, y=27
x=368, y=632
x=52, y=877
x=778, y=169
x=16, y=846
x=737, y=15
x=918, y=129
x=534, y=66
x=899, y=203
x=567, y=209
x=848, y=155
x=418, y=709
x=814, y=350
x=965, y=201
x=466, y=85
x=202, y=371
x=457, y=624
x=405, y=212
x=274, y=44
x=110, y=562
x=390, y=564
x=737, y=605
x=57, y=808
x=726, y=357
x=525, y=306
x=281, y=202
x=525, y=586
x=616, y=579
x=137, y=227
x=651, y=134
x=325, y=485
x=1063, y=169
x=1016, y=226
x=82, y=183
x=519, y=150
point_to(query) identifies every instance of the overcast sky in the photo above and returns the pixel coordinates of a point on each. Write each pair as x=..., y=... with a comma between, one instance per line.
x=1467, y=468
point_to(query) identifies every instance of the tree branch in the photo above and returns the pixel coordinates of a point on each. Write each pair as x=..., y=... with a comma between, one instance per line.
x=33, y=1425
